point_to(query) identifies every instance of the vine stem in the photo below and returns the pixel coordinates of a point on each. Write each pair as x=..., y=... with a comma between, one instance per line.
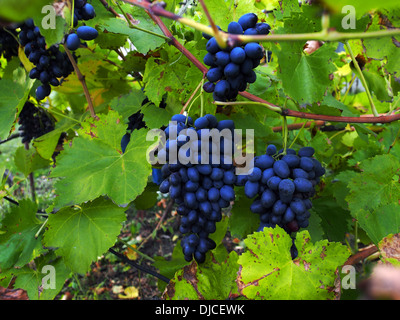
x=136, y=250
x=362, y=78
x=109, y=8
x=41, y=228
x=81, y=78
x=12, y=137
x=155, y=9
x=31, y=179
x=234, y=103
x=192, y=96
x=284, y=134
x=221, y=42
x=298, y=134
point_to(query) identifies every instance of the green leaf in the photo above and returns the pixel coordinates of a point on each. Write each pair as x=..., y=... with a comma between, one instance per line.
x=335, y=219
x=18, y=245
x=376, y=185
x=224, y=11
x=148, y=198
x=306, y=77
x=44, y=281
x=209, y=281
x=94, y=164
x=13, y=96
x=45, y=145
x=83, y=233
x=242, y=221
x=21, y=10
x=155, y=117
x=360, y=7
x=28, y=161
x=142, y=41
x=128, y=104
x=268, y=271
x=162, y=77
x=381, y=222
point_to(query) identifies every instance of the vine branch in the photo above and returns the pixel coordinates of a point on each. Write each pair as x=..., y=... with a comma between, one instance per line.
x=12, y=137
x=138, y=266
x=81, y=78
x=362, y=78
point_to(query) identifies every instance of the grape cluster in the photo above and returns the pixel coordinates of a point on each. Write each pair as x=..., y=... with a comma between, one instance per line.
x=34, y=122
x=202, y=186
x=231, y=69
x=82, y=11
x=50, y=64
x=8, y=43
x=282, y=185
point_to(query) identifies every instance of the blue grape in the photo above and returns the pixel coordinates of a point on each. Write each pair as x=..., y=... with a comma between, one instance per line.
x=73, y=42
x=253, y=50
x=87, y=33
x=235, y=28
x=231, y=70
x=214, y=74
x=263, y=28
x=248, y=20
x=222, y=58
x=212, y=46
x=238, y=55
x=222, y=88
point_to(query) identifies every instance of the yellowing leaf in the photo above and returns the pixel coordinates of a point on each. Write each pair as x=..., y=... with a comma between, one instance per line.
x=130, y=293
x=130, y=253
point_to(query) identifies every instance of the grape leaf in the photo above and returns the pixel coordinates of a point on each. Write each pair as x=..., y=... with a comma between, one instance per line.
x=305, y=77
x=242, y=220
x=381, y=222
x=94, y=164
x=161, y=77
x=143, y=42
x=13, y=96
x=224, y=11
x=268, y=271
x=21, y=10
x=18, y=245
x=209, y=280
x=83, y=233
x=129, y=103
x=38, y=282
x=376, y=185
x=28, y=161
x=360, y=7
